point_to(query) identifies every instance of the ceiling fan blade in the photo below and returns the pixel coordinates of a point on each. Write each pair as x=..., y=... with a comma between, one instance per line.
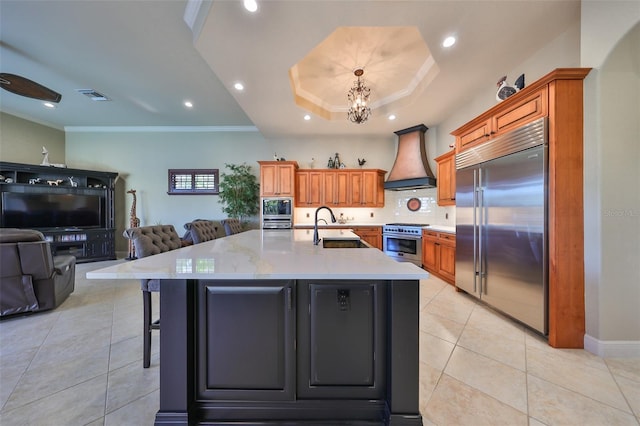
x=25, y=87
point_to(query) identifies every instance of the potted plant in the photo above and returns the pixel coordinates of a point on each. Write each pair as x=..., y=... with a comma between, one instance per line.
x=239, y=192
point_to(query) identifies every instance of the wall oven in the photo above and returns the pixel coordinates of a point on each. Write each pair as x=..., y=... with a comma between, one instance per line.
x=276, y=212
x=403, y=242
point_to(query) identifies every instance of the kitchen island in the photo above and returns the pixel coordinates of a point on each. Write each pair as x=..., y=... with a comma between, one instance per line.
x=263, y=327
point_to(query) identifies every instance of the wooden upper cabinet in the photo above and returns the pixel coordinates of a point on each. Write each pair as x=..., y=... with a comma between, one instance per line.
x=480, y=132
x=340, y=188
x=446, y=164
x=367, y=188
x=309, y=188
x=529, y=108
x=337, y=189
x=277, y=178
x=509, y=114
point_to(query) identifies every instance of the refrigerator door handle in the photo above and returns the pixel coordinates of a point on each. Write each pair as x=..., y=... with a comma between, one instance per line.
x=475, y=230
x=480, y=208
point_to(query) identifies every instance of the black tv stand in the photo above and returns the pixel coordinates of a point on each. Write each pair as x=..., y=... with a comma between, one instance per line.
x=86, y=244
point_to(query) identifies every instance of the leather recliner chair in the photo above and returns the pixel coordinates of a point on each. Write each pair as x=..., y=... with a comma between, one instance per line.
x=31, y=278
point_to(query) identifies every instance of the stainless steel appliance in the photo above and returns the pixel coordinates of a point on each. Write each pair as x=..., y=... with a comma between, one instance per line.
x=276, y=212
x=501, y=217
x=403, y=241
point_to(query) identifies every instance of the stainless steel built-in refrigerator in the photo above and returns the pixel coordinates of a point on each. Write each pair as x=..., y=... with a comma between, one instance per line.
x=501, y=223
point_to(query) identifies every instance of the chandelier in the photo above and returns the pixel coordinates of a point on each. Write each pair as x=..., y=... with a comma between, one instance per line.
x=358, y=97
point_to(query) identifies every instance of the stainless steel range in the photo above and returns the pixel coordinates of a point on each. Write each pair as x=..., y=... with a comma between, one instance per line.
x=403, y=241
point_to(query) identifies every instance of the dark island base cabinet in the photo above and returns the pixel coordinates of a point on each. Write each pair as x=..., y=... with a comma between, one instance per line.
x=289, y=352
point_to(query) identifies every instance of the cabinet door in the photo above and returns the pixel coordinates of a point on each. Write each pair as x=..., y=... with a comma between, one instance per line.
x=336, y=188
x=285, y=177
x=447, y=265
x=341, y=339
x=240, y=320
x=528, y=109
x=302, y=189
x=372, y=189
x=268, y=180
x=430, y=251
x=446, y=179
x=473, y=136
x=357, y=195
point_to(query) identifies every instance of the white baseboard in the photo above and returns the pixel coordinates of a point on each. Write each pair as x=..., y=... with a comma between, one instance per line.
x=612, y=348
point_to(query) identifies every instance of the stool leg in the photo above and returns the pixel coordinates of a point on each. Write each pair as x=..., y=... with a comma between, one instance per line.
x=146, y=299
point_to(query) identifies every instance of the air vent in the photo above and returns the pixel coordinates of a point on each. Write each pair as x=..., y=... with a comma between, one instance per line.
x=93, y=95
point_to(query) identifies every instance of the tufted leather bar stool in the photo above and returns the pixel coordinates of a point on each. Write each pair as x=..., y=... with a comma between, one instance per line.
x=202, y=230
x=150, y=240
x=231, y=226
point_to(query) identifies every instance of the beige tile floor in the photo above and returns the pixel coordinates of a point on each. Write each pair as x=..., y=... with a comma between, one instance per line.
x=82, y=365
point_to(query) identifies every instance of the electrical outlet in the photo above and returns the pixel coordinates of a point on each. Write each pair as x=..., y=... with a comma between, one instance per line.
x=371, y=214
x=307, y=214
x=446, y=216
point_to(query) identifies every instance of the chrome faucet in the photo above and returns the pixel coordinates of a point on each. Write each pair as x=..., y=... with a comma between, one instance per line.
x=316, y=238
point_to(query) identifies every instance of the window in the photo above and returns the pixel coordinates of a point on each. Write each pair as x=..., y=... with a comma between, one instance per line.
x=193, y=181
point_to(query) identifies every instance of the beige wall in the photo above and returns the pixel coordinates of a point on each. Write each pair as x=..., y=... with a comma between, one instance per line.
x=610, y=40
x=143, y=158
x=21, y=141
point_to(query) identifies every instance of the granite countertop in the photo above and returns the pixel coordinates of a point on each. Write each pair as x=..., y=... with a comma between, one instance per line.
x=266, y=254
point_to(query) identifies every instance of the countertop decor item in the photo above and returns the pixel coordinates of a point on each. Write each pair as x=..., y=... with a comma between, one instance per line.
x=414, y=204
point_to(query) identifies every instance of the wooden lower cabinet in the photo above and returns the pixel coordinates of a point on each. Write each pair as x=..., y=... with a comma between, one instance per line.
x=370, y=234
x=439, y=254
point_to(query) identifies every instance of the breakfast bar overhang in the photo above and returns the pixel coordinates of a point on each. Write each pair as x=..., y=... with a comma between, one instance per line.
x=264, y=327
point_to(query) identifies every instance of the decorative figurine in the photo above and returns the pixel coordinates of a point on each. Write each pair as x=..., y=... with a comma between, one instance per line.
x=73, y=182
x=336, y=161
x=34, y=181
x=330, y=163
x=505, y=89
x=361, y=162
x=134, y=222
x=56, y=182
x=45, y=160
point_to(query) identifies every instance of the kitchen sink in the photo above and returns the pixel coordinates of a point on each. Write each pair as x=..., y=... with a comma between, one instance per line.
x=336, y=243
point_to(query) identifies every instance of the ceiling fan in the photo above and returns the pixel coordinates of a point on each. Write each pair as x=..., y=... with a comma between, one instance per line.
x=24, y=87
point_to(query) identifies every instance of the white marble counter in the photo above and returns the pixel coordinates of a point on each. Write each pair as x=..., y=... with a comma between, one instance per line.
x=442, y=228
x=266, y=254
x=335, y=225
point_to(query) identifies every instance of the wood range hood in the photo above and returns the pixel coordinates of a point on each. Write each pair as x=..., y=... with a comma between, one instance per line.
x=411, y=169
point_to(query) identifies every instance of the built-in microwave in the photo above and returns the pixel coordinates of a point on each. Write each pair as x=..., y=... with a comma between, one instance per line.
x=276, y=212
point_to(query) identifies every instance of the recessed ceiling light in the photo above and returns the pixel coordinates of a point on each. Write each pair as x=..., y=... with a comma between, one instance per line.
x=307, y=117
x=188, y=104
x=239, y=87
x=48, y=104
x=392, y=117
x=449, y=41
x=251, y=5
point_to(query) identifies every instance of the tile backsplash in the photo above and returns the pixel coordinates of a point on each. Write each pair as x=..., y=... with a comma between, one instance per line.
x=395, y=210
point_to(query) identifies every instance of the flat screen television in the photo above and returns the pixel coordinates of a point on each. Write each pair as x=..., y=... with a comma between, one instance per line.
x=48, y=211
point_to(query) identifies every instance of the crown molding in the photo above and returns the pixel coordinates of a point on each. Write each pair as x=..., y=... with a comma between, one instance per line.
x=160, y=129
